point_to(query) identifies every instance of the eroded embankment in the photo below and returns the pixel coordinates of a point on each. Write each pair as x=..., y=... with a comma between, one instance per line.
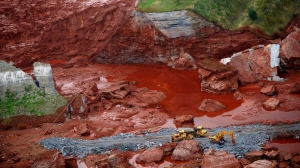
x=248, y=138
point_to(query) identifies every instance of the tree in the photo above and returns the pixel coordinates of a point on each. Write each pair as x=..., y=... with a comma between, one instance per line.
x=252, y=14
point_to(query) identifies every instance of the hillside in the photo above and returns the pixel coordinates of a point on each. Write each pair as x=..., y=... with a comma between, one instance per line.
x=270, y=16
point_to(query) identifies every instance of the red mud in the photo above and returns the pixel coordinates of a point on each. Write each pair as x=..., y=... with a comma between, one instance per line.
x=184, y=96
x=183, y=89
x=285, y=145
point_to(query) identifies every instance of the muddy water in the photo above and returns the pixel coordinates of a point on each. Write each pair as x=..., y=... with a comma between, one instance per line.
x=182, y=88
x=184, y=95
x=285, y=145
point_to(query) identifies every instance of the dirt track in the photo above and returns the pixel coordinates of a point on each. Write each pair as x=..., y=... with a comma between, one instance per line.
x=249, y=137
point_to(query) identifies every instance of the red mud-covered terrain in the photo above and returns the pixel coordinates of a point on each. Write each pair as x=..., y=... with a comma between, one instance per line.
x=140, y=110
x=177, y=84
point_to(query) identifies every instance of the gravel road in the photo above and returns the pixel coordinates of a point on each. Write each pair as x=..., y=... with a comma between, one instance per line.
x=248, y=137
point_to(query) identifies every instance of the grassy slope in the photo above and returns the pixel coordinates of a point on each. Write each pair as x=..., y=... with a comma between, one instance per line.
x=272, y=15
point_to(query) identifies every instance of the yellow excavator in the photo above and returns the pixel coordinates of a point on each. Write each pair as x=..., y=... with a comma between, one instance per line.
x=219, y=137
x=188, y=133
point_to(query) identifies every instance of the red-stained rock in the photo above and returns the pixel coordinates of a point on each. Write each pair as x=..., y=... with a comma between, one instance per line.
x=183, y=62
x=117, y=91
x=262, y=164
x=183, y=119
x=244, y=162
x=23, y=164
x=268, y=149
x=284, y=165
x=103, y=165
x=254, y=155
x=220, y=159
x=119, y=160
x=58, y=30
x=293, y=87
x=268, y=90
x=82, y=130
x=71, y=161
x=210, y=105
x=296, y=160
x=150, y=155
x=153, y=38
x=216, y=77
x=271, y=103
x=285, y=156
x=187, y=150
x=238, y=95
x=90, y=89
x=271, y=154
x=290, y=50
x=168, y=148
x=142, y=97
x=193, y=164
x=54, y=161
x=256, y=63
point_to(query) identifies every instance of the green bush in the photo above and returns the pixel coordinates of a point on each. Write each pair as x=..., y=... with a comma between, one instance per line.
x=252, y=14
x=31, y=102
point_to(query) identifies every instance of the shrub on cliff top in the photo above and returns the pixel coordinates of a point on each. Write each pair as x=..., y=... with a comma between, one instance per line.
x=270, y=16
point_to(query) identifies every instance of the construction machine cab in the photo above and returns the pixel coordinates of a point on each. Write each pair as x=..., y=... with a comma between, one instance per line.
x=219, y=137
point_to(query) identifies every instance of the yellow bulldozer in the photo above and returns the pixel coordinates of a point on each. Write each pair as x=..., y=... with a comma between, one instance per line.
x=219, y=137
x=188, y=133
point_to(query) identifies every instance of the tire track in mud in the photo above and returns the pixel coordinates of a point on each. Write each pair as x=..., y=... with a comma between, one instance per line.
x=248, y=137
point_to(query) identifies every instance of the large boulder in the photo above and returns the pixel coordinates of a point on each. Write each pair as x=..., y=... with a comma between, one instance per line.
x=216, y=77
x=52, y=161
x=254, y=155
x=168, y=148
x=296, y=160
x=183, y=62
x=271, y=154
x=269, y=90
x=290, y=50
x=244, y=162
x=256, y=63
x=119, y=160
x=220, y=159
x=187, y=150
x=210, y=105
x=285, y=156
x=271, y=103
x=183, y=119
x=262, y=164
x=150, y=155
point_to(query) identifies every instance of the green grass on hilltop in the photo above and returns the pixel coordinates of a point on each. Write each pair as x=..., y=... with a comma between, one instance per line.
x=270, y=16
x=165, y=5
